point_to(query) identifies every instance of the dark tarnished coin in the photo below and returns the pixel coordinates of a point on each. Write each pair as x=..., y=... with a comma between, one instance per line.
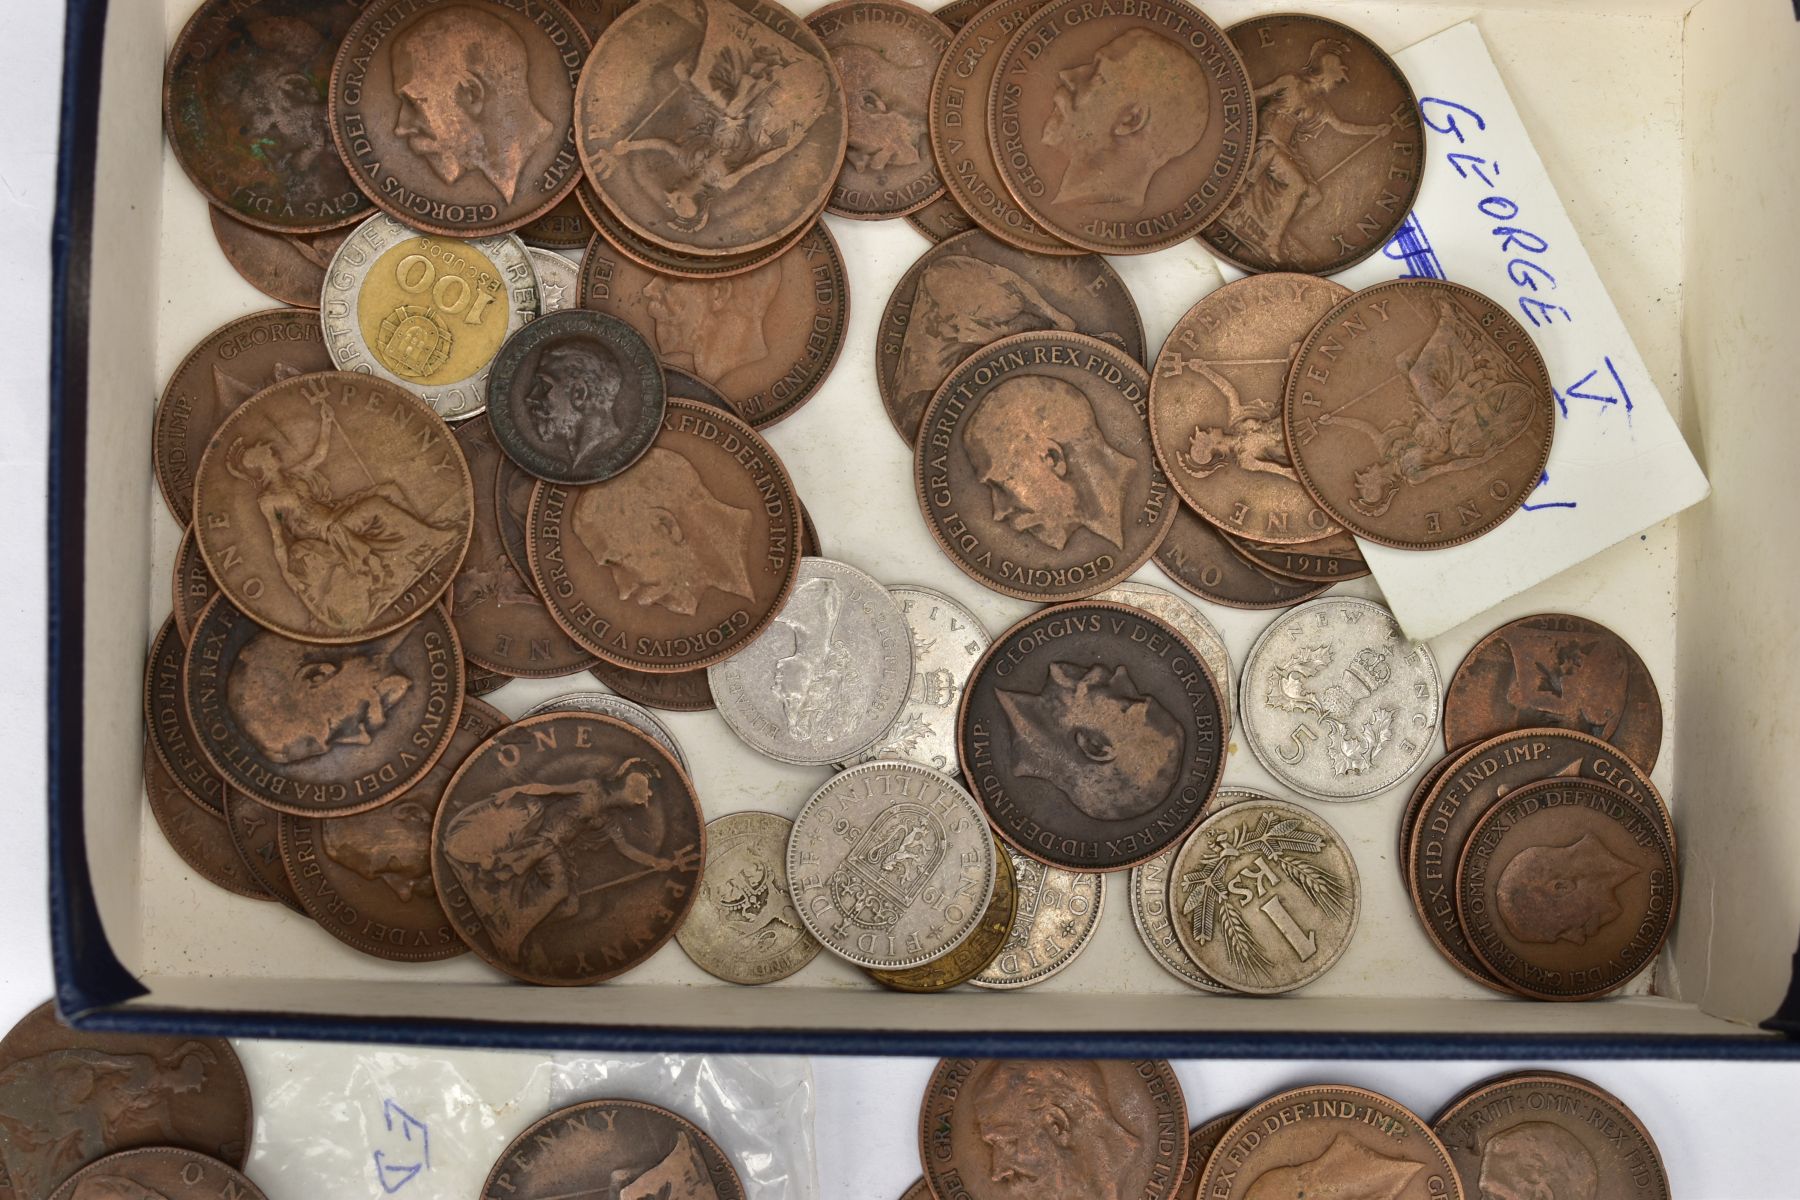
x=607, y=1148
x=68, y=1098
x=1215, y=406
x=1329, y=560
x=568, y=848
x=1339, y=146
x=973, y=290
x=256, y=835
x=1197, y=556
x=743, y=927
x=662, y=260
x=1567, y=889
x=1200, y=633
x=680, y=561
x=941, y=220
x=193, y=585
x=289, y=267
x=479, y=681
x=322, y=730
x=1419, y=414
x=458, y=119
x=333, y=507
x=565, y=227
x=513, y=486
x=765, y=339
x=173, y=738
x=1035, y=471
x=885, y=52
x=1055, y=919
x=1091, y=733
x=684, y=386
x=1561, y=671
x=974, y=953
x=1330, y=1141
x=1202, y=1141
x=594, y=16
x=996, y=1129
x=1121, y=129
x=712, y=126
x=200, y=838
x=156, y=1172
x=671, y=691
x=230, y=365
x=244, y=105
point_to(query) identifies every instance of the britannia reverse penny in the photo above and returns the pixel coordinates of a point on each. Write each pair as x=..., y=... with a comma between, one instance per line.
x=1419, y=414
x=1331, y=559
x=256, y=835
x=1320, y=1141
x=158, y=1171
x=1197, y=556
x=947, y=642
x=197, y=836
x=1055, y=917
x=174, y=741
x=193, y=585
x=743, y=927
x=619, y=238
x=613, y=1148
x=289, y=267
x=1202, y=1141
x=609, y=705
x=973, y=954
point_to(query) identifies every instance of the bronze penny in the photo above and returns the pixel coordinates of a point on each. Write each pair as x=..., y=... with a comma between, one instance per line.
x=1419, y=414
x=595, y=16
x=684, y=386
x=613, y=1148
x=230, y=365
x=1331, y=559
x=244, y=107
x=322, y=730
x=973, y=290
x=941, y=220
x=1198, y=556
x=366, y=879
x=680, y=561
x=1416, y=800
x=289, y=267
x=959, y=12
x=674, y=691
x=1215, y=406
x=479, y=681
x=512, y=508
x=1202, y=1141
x=158, y=1171
x=458, y=119
x=973, y=954
x=173, y=738
x=68, y=1098
x=711, y=126
x=765, y=339
x=885, y=52
x=918, y=1191
x=193, y=585
x=567, y=848
x=1110, y=1129
x=1091, y=733
x=1553, y=669
x=333, y=507
x=1339, y=145
x=200, y=838
x=662, y=260
x=256, y=835
x=1330, y=1141
x=1121, y=129
x=565, y=227
x=1035, y=471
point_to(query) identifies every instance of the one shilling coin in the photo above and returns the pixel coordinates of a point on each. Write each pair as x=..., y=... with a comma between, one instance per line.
x=613, y=1147
x=1197, y=556
x=744, y=928
x=947, y=642
x=974, y=952
x=608, y=705
x=158, y=1171
x=1057, y=914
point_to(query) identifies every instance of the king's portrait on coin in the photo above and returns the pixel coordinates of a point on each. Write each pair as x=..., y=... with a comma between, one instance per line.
x=1035, y=443
x=713, y=326
x=573, y=397
x=390, y=845
x=1113, y=751
x=276, y=105
x=1562, y=893
x=884, y=128
x=961, y=305
x=296, y=701
x=1537, y=1160
x=1050, y=1130
x=1346, y=1169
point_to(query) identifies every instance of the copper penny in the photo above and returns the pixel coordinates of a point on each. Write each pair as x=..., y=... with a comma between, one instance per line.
x=613, y=1148
x=1416, y=800
x=256, y=835
x=684, y=386
x=513, y=486
x=1331, y=559
x=322, y=730
x=289, y=267
x=973, y=290
x=918, y=1191
x=885, y=52
x=765, y=339
x=958, y=13
x=333, y=507
x=479, y=681
x=565, y=227
x=1120, y=129
x=458, y=119
x=567, y=848
x=158, y=1171
x=1035, y=471
x=230, y=365
x=366, y=879
x=1419, y=414
x=1091, y=733
x=173, y=738
x=199, y=837
x=972, y=955
x=193, y=585
x=68, y=1098
x=711, y=126
x=1553, y=669
x=997, y=1129
x=681, y=560
x=663, y=260
x=1202, y=1141
x=673, y=691
x=941, y=220
x=596, y=16
x=1215, y=406
x=244, y=107
x=1339, y=145
x=1325, y=1141
x=1197, y=555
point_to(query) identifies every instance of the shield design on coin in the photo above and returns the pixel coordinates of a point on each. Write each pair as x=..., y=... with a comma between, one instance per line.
x=887, y=867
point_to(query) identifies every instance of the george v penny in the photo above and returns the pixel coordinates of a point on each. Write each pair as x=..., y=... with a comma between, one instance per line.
x=197, y=836
x=1056, y=915
x=663, y=260
x=612, y=827
x=1186, y=620
x=173, y=738
x=941, y=220
x=256, y=836
x=947, y=642
x=513, y=486
x=193, y=585
x=289, y=267
x=743, y=927
x=1328, y=560
x=458, y=119
x=1416, y=800
x=565, y=227
x=671, y=691
x=974, y=953
x=1419, y=414
x=479, y=681
x=1202, y=1141
x=613, y=1147
x=159, y=1171
x=1197, y=555
x=595, y=16
x=918, y=1191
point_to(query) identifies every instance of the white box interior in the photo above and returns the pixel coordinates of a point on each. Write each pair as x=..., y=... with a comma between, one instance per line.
x=1661, y=124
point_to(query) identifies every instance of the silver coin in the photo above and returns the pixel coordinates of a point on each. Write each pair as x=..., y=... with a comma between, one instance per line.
x=947, y=641
x=1336, y=702
x=827, y=677
x=1188, y=622
x=1056, y=915
x=891, y=865
x=609, y=705
x=428, y=313
x=743, y=927
x=1150, y=913
x=558, y=280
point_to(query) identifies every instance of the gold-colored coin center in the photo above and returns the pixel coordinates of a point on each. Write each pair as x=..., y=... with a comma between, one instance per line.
x=433, y=310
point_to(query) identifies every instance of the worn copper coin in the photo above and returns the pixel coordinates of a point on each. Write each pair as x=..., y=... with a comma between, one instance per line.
x=479, y=681
x=289, y=267
x=159, y=1171
x=941, y=220
x=613, y=1148
x=1202, y=1141
x=565, y=227
x=671, y=691
x=595, y=16
x=743, y=927
x=680, y=561
x=1155, y=923
x=1186, y=620
x=1215, y=406
x=974, y=953
x=68, y=1098
x=663, y=260
x=765, y=339
x=513, y=486
x=1197, y=556
x=1056, y=915
x=947, y=642
x=244, y=105
x=609, y=705
x=1419, y=414
x=973, y=290
x=192, y=586
x=918, y=1191
x=173, y=738
x=256, y=835
x=1092, y=734
x=995, y=1129
x=1415, y=804
x=1329, y=560
x=230, y=365
x=1553, y=669
x=200, y=838
x=558, y=280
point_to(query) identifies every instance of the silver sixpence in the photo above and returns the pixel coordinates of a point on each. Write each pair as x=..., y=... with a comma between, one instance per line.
x=609, y=705
x=1188, y=622
x=1336, y=702
x=743, y=927
x=1055, y=918
x=558, y=280
x=947, y=641
x=891, y=865
x=428, y=313
x=1150, y=913
x=827, y=677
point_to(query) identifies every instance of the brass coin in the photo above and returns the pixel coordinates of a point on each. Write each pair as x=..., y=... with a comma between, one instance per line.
x=158, y=1171
x=613, y=1148
x=193, y=585
x=662, y=260
x=565, y=227
x=173, y=738
x=743, y=927
x=200, y=838
x=256, y=835
x=1202, y=1141
x=289, y=267
x=941, y=220
x=1057, y=914
x=973, y=954
x=1197, y=555
x=1329, y=560
x=671, y=691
